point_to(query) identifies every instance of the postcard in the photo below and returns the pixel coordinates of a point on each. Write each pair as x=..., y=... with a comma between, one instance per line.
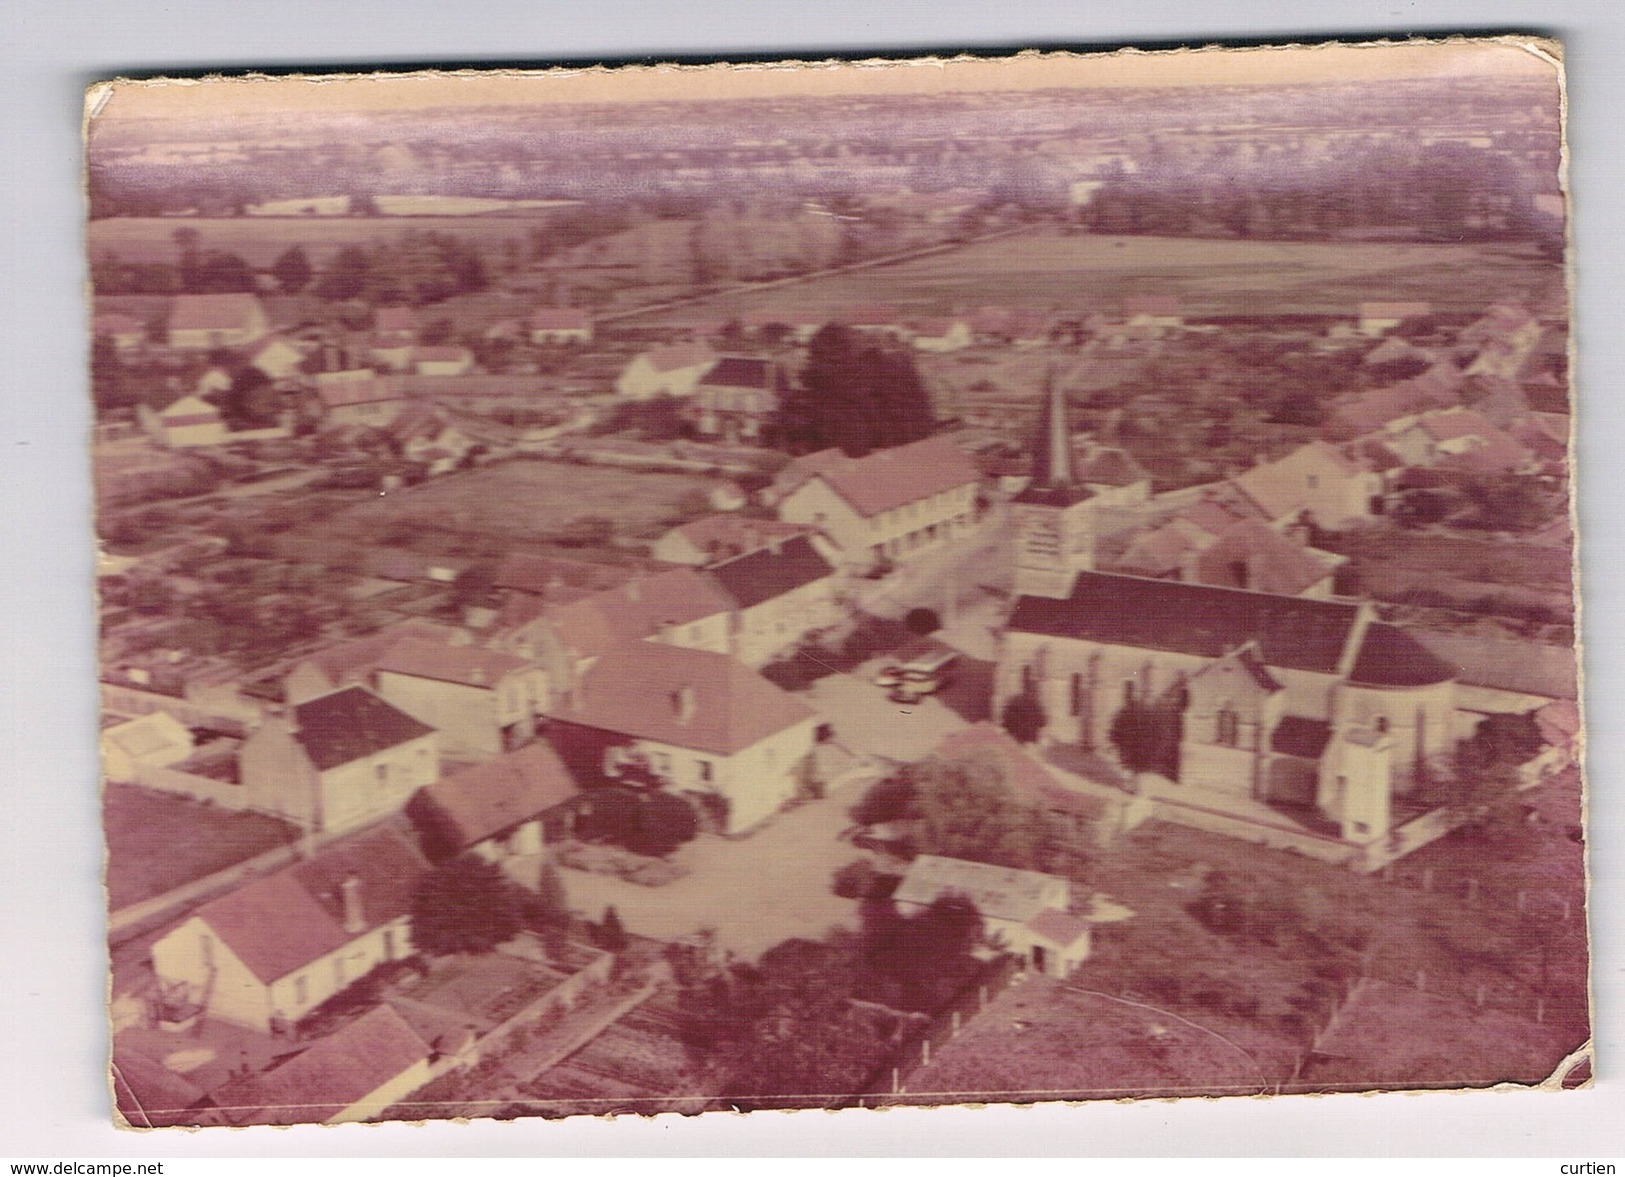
x=837, y=584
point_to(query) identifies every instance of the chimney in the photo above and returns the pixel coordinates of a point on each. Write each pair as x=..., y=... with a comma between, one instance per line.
x=684, y=703
x=355, y=919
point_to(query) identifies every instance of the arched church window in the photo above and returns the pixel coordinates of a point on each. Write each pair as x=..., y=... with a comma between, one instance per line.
x=1228, y=733
x=1382, y=725
x=1075, y=694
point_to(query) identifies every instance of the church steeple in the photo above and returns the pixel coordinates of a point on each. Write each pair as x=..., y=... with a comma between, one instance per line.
x=1054, y=481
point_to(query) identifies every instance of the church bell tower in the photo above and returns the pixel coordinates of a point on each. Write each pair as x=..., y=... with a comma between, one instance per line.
x=1054, y=516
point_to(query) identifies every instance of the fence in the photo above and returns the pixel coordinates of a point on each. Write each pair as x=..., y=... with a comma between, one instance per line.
x=915, y=1046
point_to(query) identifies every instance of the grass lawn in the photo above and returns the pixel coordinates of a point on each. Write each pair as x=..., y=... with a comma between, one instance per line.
x=1212, y=277
x=515, y=502
x=156, y=841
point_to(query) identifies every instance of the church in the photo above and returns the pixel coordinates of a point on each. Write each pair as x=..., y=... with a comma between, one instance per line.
x=1266, y=714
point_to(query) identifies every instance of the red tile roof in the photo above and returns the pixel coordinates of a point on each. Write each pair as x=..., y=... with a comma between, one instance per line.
x=490, y=799
x=1278, y=487
x=279, y=924
x=329, y=1075
x=640, y=608
x=543, y=575
x=639, y=690
x=469, y=666
x=339, y=389
x=1250, y=555
x=887, y=479
x=734, y=535
x=353, y=661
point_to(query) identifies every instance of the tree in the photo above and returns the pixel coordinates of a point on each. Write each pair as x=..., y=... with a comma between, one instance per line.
x=292, y=269
x=887, y=800
x=345, y=275
x=465, y=905
x=611, y=933
x=1023, y=717
x=857, y=394
x=1147, y=734
x=664, y=822
x=965, y=809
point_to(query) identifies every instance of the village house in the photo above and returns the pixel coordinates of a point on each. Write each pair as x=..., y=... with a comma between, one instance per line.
x=559, y=325
x=349, y=1076
x=394, y=338
x=1379, y=318
x=1458, y=437
x=1502, y=341
x=268, y=952
x=481, y=702
x=1318, y=482
x=279, y=360
x=353, y=662
x=665, y=371
x=1026, y=913
x=1288, y=706
x=782, y=592
x=358, y=396
x=1207, y=543
x=201, y=322
x=185, y=423
x=429, y=436
x=712, y=538
x=507, y=811
x=339, y=761
x=1367, y=412
x=704, y=724
x=158, y=740
x=737, y=398
x=892, y=504
x=442, y=361
x=943, y=335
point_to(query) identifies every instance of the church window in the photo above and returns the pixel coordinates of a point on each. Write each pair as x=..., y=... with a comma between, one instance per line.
x=1076, y=694
x=1128, y=691
x=1382, y=724
x=1228, y=734
x=1029, y=679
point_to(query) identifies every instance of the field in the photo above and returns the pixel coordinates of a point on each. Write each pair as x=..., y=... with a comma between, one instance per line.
x=259, y=240
x=514, y=503
x=1214, y=278
x=157, y=842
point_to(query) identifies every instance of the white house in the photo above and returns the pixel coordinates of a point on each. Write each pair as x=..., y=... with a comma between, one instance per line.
x=480, y=701
x=782, y=591
x=942, y=335
x=185, y=423
x=339, y=761
x=275, y=948
x=705, y=724
x=442, y=361
x=1319, y=479
x=665, y=371
x=890, y=505
x=1026, y=912
x=359, y=396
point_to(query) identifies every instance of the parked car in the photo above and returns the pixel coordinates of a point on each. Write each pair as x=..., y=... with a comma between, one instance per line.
x=918, y=669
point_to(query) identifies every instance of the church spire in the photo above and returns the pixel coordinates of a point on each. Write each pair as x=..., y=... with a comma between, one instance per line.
x=1054, y=481
x=1052, y=457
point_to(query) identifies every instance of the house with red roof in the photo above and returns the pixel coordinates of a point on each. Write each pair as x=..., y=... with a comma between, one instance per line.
x=351, y=1075
x=1294, y=714
x=266, y=953
x=559, y=325
x=358, y=396
x=480, y=701
x=892, y=504
x=704, y=724
x=185, y=423
x=353, y=662
x=506, y=810
x=1459, y=437
x=200, y=322
x=338, y=761
x=1319, y=479
x=1028, y=913
x=665, y=371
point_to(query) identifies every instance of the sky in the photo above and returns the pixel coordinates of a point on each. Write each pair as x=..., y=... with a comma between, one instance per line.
x=338, y=94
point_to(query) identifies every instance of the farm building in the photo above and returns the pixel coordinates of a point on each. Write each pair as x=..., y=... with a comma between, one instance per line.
x=199, y=322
